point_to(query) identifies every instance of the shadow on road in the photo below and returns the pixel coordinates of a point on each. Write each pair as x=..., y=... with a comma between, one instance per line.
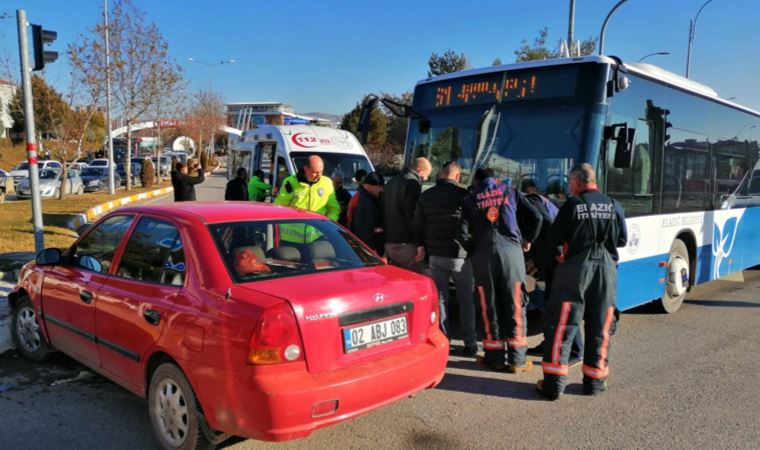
x=724, y=303
x=494, y=387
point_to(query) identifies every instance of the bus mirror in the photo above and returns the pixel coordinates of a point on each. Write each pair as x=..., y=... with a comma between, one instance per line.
x=370, y=103
x=624, y=148
x=424, y=126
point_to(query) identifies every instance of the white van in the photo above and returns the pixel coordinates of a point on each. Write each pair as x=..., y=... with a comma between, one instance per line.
x=281, y=150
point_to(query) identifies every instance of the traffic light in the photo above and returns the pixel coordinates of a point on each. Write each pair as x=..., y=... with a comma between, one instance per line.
x=41, y=37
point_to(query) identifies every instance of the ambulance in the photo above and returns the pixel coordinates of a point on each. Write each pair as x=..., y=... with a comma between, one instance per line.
x=282, y=150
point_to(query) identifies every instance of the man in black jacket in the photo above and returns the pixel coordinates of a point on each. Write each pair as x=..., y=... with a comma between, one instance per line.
x=436, y=224
x=184, y=184
x=400, y=200
x=237, y=188
x=367, y=218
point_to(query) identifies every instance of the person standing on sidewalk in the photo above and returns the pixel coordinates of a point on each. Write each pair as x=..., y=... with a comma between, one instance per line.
x=184, y=184
x=498, y=225
x=400, y=200
x=436, y=225
x=589, y=227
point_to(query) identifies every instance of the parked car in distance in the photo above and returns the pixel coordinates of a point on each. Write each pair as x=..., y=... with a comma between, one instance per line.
x=21, y=171
x=165, y=164
x=181, y=156
x=6, y=185
x=99, y=162
x=78, y=165
x=96, y=179
x=136, y=172
x=50, y=184
x=226, y=326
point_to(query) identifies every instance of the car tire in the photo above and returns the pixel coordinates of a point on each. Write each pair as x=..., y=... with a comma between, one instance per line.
x=25, y=330
x=174, y=412
x=676, y=277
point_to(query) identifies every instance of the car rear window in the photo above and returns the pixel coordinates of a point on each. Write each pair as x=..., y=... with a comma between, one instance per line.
x=255, y=250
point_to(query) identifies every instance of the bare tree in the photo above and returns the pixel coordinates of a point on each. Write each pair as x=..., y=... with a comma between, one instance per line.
x=141, y=69
x=205, y=117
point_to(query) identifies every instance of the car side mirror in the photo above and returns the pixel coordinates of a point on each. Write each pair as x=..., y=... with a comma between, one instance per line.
x=49, y=257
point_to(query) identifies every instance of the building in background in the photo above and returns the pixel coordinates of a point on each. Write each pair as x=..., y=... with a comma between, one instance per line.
x=247, y=115
x=7, y=92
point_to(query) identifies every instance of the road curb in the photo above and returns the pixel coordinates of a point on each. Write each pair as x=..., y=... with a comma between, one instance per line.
x=86, y=216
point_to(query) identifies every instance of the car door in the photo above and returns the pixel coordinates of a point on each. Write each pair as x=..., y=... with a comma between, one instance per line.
x=133, y=308
x=69, y=290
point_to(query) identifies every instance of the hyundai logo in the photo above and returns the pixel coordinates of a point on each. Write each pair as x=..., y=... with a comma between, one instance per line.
x=379, y=298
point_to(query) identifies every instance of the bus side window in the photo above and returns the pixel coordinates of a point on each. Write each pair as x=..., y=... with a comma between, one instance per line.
x=686, y=180
x=731, y=165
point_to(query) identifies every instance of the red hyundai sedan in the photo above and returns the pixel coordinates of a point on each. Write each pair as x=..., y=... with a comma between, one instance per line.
x=233, y=319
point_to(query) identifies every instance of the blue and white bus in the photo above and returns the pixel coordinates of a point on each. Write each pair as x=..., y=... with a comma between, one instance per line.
x=680, y=159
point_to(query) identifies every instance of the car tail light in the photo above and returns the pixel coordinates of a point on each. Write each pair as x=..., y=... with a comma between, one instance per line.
x=275, y=337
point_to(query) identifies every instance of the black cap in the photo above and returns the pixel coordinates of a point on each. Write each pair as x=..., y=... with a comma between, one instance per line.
x=374, y=178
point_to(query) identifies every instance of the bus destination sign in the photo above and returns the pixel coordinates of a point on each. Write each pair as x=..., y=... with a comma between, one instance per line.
x=499, y=87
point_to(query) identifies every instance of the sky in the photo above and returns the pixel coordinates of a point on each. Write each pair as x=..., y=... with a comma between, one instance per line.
x=324, y=56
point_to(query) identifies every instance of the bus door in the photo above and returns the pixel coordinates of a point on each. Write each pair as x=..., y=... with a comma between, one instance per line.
x=265, y=154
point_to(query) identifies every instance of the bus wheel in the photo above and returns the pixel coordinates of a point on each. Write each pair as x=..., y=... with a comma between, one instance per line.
x=677, y=281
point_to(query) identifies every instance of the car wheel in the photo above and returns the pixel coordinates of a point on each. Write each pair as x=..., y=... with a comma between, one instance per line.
x=26, y=332
x=677, y=277
x=174, y=412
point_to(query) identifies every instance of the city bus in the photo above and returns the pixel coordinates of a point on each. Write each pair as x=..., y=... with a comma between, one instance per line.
x=682, y=161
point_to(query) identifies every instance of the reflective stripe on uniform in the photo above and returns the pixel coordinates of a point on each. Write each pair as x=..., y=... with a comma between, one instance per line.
x=555, y=369
x=484, y=312
x=559, y=333
x=603, y=370
x=519, y=340
x=489, y=344
x=593, y=372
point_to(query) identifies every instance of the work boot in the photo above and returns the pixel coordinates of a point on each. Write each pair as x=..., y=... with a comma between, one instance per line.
x=594, y=387
x=551, y=396
x=527, y=366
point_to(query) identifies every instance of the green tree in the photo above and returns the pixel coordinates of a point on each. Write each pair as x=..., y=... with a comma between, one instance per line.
x=448, y=62
x=538, y=49
x=496, y=62
x=378, y=124
x=397, y=126
x=50, y=110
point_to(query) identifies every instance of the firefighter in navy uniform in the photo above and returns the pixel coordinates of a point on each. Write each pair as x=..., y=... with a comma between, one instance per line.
x=495, y=242
x=589, y=227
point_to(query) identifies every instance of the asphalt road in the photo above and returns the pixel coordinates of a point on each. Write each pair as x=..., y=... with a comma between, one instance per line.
x=687, y=380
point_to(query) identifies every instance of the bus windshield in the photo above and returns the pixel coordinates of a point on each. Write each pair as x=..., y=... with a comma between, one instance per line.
x=518, y=141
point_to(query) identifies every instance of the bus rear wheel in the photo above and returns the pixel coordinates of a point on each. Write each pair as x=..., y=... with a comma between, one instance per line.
x=677, y=277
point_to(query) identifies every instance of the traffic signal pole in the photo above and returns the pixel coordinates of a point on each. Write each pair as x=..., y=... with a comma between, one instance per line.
x=31, y=137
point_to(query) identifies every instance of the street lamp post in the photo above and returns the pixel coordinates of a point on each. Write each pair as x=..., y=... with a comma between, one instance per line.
x=210, y=66
x=692, y=34
x=604, y=25
x=210, y=80
x=653, y=54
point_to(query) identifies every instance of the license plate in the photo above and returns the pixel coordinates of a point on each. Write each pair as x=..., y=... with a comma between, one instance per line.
x=378, y=333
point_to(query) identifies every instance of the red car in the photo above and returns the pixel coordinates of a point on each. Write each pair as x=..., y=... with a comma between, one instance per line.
x=233, y=319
